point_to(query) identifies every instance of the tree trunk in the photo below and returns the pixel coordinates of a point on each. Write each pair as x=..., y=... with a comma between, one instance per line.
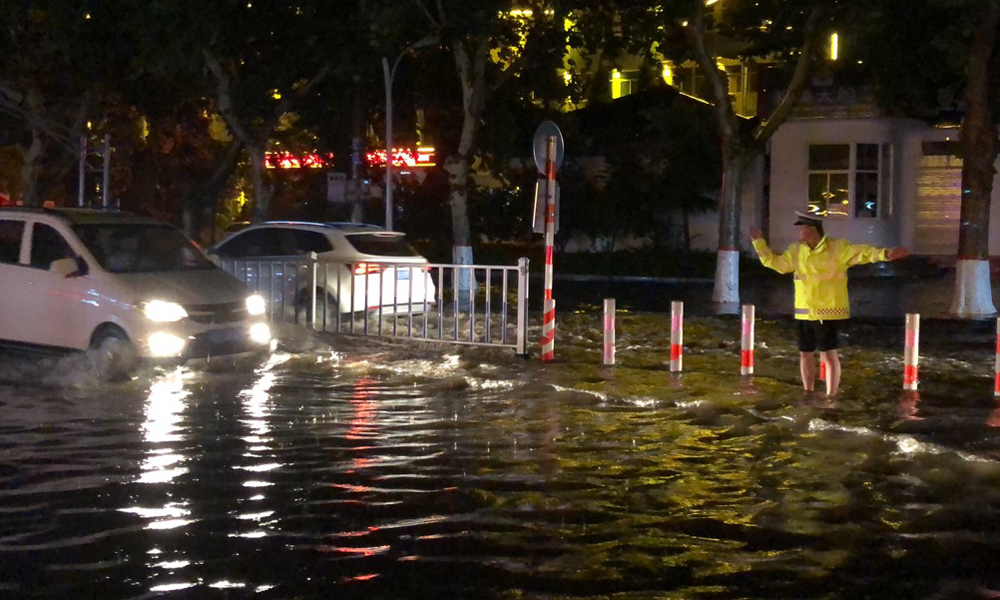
x=461, y=249
x=261, y=190
x=726, y=292
x=738, y=151
x=973, y=296
x=29, y=166
x=204, y=198
x=470, y=71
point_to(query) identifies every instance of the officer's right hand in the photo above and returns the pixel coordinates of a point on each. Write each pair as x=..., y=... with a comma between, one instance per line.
x=755, y=234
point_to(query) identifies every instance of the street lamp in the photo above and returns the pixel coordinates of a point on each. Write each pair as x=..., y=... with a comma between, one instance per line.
x=390, y=75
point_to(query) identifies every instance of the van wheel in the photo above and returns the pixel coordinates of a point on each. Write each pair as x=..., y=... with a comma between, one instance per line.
x=118, y=356
x=324, y=300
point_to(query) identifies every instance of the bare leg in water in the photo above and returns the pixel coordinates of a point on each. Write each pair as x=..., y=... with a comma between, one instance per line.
x=807, y=367
x=832, y=360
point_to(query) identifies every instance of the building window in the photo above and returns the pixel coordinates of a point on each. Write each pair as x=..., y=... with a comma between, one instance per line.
x=849, y=180
x=623, y=83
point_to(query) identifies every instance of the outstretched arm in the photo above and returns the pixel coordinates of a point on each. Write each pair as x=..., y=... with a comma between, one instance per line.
x=862, y=254
x=781, y=263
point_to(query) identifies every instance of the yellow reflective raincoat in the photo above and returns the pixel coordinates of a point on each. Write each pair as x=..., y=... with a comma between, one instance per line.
x=820, y=273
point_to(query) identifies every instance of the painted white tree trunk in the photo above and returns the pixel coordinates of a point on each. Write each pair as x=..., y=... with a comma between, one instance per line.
x=464, y=279
x=973, y=295
x=726, y=294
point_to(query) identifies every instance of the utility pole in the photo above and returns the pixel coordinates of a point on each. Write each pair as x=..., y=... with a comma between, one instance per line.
x=355, y=189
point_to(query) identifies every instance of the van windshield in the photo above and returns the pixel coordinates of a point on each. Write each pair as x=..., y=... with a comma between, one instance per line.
x=141, y=248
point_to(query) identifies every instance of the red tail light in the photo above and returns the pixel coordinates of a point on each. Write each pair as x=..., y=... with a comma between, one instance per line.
x=366, y=268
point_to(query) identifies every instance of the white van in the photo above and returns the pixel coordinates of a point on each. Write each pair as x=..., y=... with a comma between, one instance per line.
x=74, y=279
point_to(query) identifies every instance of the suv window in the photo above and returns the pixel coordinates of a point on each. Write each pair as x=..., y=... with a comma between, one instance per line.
x=253, y=243
x=313, y=241
x=381, y=244
x=10, y=241
x=48, y=245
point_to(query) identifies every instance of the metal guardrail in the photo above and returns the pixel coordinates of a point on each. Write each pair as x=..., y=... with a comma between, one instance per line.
x=480, y=305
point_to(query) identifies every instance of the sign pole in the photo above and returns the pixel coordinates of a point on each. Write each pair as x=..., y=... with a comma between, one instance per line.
x=549, y=305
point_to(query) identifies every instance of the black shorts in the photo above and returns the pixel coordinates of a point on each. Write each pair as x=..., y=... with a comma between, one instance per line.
x=818, y=335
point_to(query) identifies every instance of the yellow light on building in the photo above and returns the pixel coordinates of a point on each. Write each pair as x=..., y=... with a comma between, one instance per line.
x=615, y=74
x=567, y=77
x=668, y=75
x=834, y=46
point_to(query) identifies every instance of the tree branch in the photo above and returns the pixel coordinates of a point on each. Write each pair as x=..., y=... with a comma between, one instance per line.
x=225, y=100
x=437, y=24
x=800, y=79
x=719, y=87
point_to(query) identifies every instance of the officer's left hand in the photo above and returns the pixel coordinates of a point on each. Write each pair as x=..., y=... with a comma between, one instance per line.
x=898, y=252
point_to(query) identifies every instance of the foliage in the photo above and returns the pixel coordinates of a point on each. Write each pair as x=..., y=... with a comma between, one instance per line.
x=59, y=69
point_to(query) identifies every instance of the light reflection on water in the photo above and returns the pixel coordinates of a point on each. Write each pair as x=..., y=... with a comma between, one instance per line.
x=395, y=471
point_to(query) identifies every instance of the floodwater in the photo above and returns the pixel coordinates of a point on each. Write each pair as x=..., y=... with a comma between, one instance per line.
x=362, y=468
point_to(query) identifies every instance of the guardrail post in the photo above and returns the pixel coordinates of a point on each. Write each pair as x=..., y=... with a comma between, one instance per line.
x=312, y=290
x=522, y=306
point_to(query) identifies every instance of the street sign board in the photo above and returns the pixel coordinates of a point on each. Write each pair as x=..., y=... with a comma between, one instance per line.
x=546, y=130
x=538, y=215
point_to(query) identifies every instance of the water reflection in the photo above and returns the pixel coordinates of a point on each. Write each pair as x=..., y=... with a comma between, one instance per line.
x=163, y=439
x=258, y=406
x=363, y=426
x=164, y=405
x=909, y=405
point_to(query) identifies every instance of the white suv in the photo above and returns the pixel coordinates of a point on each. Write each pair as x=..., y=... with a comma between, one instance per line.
x=79, y=278
x=362, y=267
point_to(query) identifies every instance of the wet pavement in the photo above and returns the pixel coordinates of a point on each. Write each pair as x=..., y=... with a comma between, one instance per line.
x=365, y=468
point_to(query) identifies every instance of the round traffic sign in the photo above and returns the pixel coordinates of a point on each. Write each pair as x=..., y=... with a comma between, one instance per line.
x=546, y=130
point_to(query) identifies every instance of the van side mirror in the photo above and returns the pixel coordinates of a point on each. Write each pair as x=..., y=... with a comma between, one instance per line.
x=70, y=267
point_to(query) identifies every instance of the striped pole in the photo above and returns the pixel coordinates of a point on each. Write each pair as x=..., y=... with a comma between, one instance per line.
x=996, y=365
x=548, y=329
x=549, y=305
x=746, y=356
x=912, y=353
x=676, y=337
x=609, y=331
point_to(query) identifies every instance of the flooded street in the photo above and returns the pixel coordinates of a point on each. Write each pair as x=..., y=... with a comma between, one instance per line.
x=367, y=468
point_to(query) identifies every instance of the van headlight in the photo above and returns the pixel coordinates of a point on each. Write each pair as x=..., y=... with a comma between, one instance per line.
x=256, y=305
x=162, y=311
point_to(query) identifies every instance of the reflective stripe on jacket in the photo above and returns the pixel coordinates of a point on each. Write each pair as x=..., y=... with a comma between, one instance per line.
x=820, y=273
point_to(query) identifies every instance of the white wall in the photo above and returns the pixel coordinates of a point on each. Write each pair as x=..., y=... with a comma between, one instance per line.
x=790, y=177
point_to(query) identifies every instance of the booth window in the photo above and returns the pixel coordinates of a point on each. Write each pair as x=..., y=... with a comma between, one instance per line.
x=849, y=180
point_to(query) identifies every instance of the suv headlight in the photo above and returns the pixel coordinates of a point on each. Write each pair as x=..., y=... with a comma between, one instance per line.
x=162, y=311
x=256, y=305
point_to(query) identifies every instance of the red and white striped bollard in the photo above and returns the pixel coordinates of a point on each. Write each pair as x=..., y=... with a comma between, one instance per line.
x=676, y=337
x=549, y=305
x=746, y=346
x=911, y=355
